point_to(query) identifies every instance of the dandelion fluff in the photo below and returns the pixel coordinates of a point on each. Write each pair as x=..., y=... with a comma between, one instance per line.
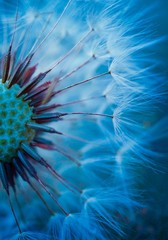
x=81, y=72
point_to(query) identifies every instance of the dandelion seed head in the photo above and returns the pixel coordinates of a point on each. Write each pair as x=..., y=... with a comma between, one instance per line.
x=79, y=82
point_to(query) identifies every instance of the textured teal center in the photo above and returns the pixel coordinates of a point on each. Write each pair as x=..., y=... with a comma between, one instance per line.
x=14, y=114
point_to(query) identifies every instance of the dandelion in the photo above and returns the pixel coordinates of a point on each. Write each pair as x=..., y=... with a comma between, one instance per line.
x=72, y=93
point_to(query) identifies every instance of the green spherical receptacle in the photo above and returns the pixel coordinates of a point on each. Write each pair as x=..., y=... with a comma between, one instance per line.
x=14, y=114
